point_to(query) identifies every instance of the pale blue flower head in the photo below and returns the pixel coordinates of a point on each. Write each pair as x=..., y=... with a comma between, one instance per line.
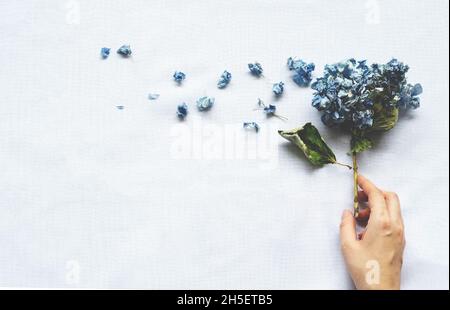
x=182, y=110
x=278, y=88
x=124, y=50
x=251, y=126
x=179, y=76
x=104, y=52
x=205, y=103
x=224, y=80
x=255, y=69
x=303, y=71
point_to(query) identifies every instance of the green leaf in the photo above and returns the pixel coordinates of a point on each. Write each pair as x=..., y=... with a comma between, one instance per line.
x=360, y=144
x=308, y=139
x=384, y=118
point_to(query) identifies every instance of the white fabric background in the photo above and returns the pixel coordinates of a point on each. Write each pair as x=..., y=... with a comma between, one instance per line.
x=93, y=196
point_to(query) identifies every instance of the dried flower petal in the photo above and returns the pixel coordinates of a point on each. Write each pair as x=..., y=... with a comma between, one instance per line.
x=182, y=110
x=152, y=96
x=104, y=52
x=224, y=80
x=270, y=109
x=179, y=76
x=303, y=71
x=255, y=69
x=278, y=88
x=409, y=96
x=251, y=126
x=124, y=50
x=205, y=103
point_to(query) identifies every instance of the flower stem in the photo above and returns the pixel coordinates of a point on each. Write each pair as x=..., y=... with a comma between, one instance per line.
x=343, y=165
x=355, y=186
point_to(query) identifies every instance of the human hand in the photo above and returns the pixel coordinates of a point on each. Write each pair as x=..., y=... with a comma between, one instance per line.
x=374, y=261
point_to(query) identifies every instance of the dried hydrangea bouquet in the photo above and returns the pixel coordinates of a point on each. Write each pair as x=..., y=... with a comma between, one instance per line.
x=360, y=99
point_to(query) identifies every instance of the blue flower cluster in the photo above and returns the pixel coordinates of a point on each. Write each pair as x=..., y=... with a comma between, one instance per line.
x=278, y=88
x=205, y=103
x=255, y=69
x=124, y=50
x=179, y=76
x=224, y=80
x=303, y=71
x=348, y=90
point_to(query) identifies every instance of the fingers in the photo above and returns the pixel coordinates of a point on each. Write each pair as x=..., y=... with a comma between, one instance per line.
x=348, y=231
x=362, y=197
x=375, y=196
x=393, y=206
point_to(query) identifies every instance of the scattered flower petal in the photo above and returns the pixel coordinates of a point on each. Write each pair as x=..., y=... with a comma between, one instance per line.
x=303, y=71
x=179, y=76
x=270, y=109
x=104, y=52
x=124, y=50
x=224, y=80
x=409, y=96
x=255, y=69
x=182, y=110
x=251, y=126
x=278, y=88
x=205, y=103
x=152, y=96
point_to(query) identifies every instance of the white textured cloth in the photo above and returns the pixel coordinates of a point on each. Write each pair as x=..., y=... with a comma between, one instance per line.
x=96, y=196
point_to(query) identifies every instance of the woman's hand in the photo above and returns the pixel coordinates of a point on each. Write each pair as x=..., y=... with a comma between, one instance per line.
x=375, y=259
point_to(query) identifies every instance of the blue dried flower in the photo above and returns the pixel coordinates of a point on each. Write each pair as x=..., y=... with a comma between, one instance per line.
x=224, y=80
x=409, y=96
x=251, y=125
x=205, y=103
x=303, y=71
x=270, y=109
x=182, y=110
x=348, y=91
x=179, y=76
x=104, y=52
x=124, y=50
x=152, y=96
x=255, y=69
x=278, y=88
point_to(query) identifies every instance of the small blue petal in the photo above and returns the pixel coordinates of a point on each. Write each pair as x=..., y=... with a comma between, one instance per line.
x=152, y=96
x=104, y=52
x=270, y=110
x=255, y=69
x=179, y=76
x=124, y=50
x=224, y=80
x=182, y=110
x=278, y=88
x=205, y=103
x=251, y=125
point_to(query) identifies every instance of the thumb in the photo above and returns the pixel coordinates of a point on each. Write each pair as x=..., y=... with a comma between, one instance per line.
x=348, y=231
